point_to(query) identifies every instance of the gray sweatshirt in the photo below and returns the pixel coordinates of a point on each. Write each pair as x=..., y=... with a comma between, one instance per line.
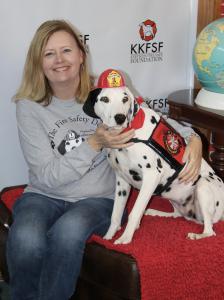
x=61, y=163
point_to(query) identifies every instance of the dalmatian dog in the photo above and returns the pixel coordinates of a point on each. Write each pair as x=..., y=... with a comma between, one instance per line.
x=148, y=169
x=72, y=140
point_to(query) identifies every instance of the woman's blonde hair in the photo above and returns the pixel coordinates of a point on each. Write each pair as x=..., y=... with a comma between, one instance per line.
x=35, y=85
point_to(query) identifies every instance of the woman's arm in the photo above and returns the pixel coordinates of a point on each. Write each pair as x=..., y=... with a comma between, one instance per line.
x=47, y=167
x=50, y=169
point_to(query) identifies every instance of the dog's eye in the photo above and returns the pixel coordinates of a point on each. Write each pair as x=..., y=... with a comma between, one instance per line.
x=104, y=99
x=125, y=99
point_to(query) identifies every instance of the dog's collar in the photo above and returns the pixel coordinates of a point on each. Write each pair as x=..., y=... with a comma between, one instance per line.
x=139, y=116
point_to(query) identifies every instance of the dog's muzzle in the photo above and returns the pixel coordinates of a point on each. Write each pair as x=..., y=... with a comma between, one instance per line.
x=119, y=118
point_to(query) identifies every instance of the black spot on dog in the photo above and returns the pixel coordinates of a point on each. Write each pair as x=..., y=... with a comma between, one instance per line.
x=120, y=149
x=137, y=178
x=159, y=163
x=148, y=165
x=168, y=189
x=196, y=181
x=153, y=120
x=217, y=203
x=191, y=214
x=219, y=179
x=169, y=179
x=135, y=175
x=116, y=160
x=118, y=183
x=207, y=179
x=140, y=166
x=210, y=174
x=108, y=155
x=159, y=188
x=133, y=172
x=188, y=199
x=144, y=156
x=122, y=193
x=211, y=177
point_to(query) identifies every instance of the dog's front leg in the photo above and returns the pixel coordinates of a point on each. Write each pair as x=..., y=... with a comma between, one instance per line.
x=150, y=181
x=121, y=195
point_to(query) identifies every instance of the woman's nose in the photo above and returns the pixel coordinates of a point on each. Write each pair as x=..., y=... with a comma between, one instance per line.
x=58, y=57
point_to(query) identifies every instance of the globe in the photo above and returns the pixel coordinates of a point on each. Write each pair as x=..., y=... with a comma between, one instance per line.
x=208, y=64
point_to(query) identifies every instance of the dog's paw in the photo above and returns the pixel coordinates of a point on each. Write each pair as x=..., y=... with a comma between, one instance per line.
x=125, y=238
x=111, y=231
x=198, y=236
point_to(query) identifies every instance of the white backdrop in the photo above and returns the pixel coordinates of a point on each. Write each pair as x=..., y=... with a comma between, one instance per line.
x=156, y=62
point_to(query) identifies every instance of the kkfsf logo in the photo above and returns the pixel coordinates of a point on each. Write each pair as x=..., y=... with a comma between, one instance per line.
x=149, y=49
x=147, y=30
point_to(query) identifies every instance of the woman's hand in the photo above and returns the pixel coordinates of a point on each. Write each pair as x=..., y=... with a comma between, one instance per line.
x=192, y=154
x=110, y=138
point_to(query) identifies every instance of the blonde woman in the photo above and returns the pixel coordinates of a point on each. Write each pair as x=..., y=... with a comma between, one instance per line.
x=71, y=186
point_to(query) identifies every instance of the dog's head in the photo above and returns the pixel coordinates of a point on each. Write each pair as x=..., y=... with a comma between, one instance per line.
x=111, y=101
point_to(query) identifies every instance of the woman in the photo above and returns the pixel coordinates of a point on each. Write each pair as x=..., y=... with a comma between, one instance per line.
x=70, y=192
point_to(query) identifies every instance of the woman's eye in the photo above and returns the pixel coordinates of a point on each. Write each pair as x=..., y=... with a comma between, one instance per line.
x=48, y=54
x=67, y=50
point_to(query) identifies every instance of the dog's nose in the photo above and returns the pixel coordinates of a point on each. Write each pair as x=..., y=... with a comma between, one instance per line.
x=119, y=118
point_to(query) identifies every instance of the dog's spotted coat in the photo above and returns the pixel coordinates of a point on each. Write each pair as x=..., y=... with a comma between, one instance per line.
x=141, y=167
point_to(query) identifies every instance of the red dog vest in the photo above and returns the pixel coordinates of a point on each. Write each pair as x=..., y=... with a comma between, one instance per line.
x=165, y=141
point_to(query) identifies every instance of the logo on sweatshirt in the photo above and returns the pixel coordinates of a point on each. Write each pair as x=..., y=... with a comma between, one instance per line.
x=71, y=141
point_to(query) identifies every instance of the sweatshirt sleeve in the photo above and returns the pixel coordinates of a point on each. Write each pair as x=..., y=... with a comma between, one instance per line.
x=184, y=130
x=47, y=168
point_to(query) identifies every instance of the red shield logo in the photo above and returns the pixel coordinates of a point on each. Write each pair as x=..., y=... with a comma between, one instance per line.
x=172, y=142
x=147, y=30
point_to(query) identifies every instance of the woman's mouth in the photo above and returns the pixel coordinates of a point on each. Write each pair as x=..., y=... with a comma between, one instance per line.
x=61, y=69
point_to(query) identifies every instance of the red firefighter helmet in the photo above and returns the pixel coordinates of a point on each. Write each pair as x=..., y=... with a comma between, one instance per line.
x=110, y=78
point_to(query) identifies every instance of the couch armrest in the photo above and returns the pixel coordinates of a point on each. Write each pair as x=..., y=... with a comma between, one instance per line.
x=7, y=198
x=5, y=215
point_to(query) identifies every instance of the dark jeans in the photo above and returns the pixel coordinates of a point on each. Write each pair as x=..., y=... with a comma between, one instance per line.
x=46, y=244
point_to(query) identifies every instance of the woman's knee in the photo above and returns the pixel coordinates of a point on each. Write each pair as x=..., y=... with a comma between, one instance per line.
x=77, y=225
x=25, y=243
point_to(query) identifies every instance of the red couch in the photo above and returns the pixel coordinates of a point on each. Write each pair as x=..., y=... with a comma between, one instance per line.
x=159, y=263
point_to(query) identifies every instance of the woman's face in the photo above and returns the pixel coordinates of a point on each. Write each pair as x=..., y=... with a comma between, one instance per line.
x=62, y=59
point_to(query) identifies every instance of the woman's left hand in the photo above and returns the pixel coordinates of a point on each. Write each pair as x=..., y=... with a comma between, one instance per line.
x=193, y=157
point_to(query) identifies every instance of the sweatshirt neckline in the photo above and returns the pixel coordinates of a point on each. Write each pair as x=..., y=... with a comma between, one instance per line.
x=63, y=103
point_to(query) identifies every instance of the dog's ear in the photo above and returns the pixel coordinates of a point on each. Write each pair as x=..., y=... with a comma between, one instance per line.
x=88, y=106
x=132, y=106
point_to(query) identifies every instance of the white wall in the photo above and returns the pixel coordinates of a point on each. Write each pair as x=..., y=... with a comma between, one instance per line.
x=111, y=29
